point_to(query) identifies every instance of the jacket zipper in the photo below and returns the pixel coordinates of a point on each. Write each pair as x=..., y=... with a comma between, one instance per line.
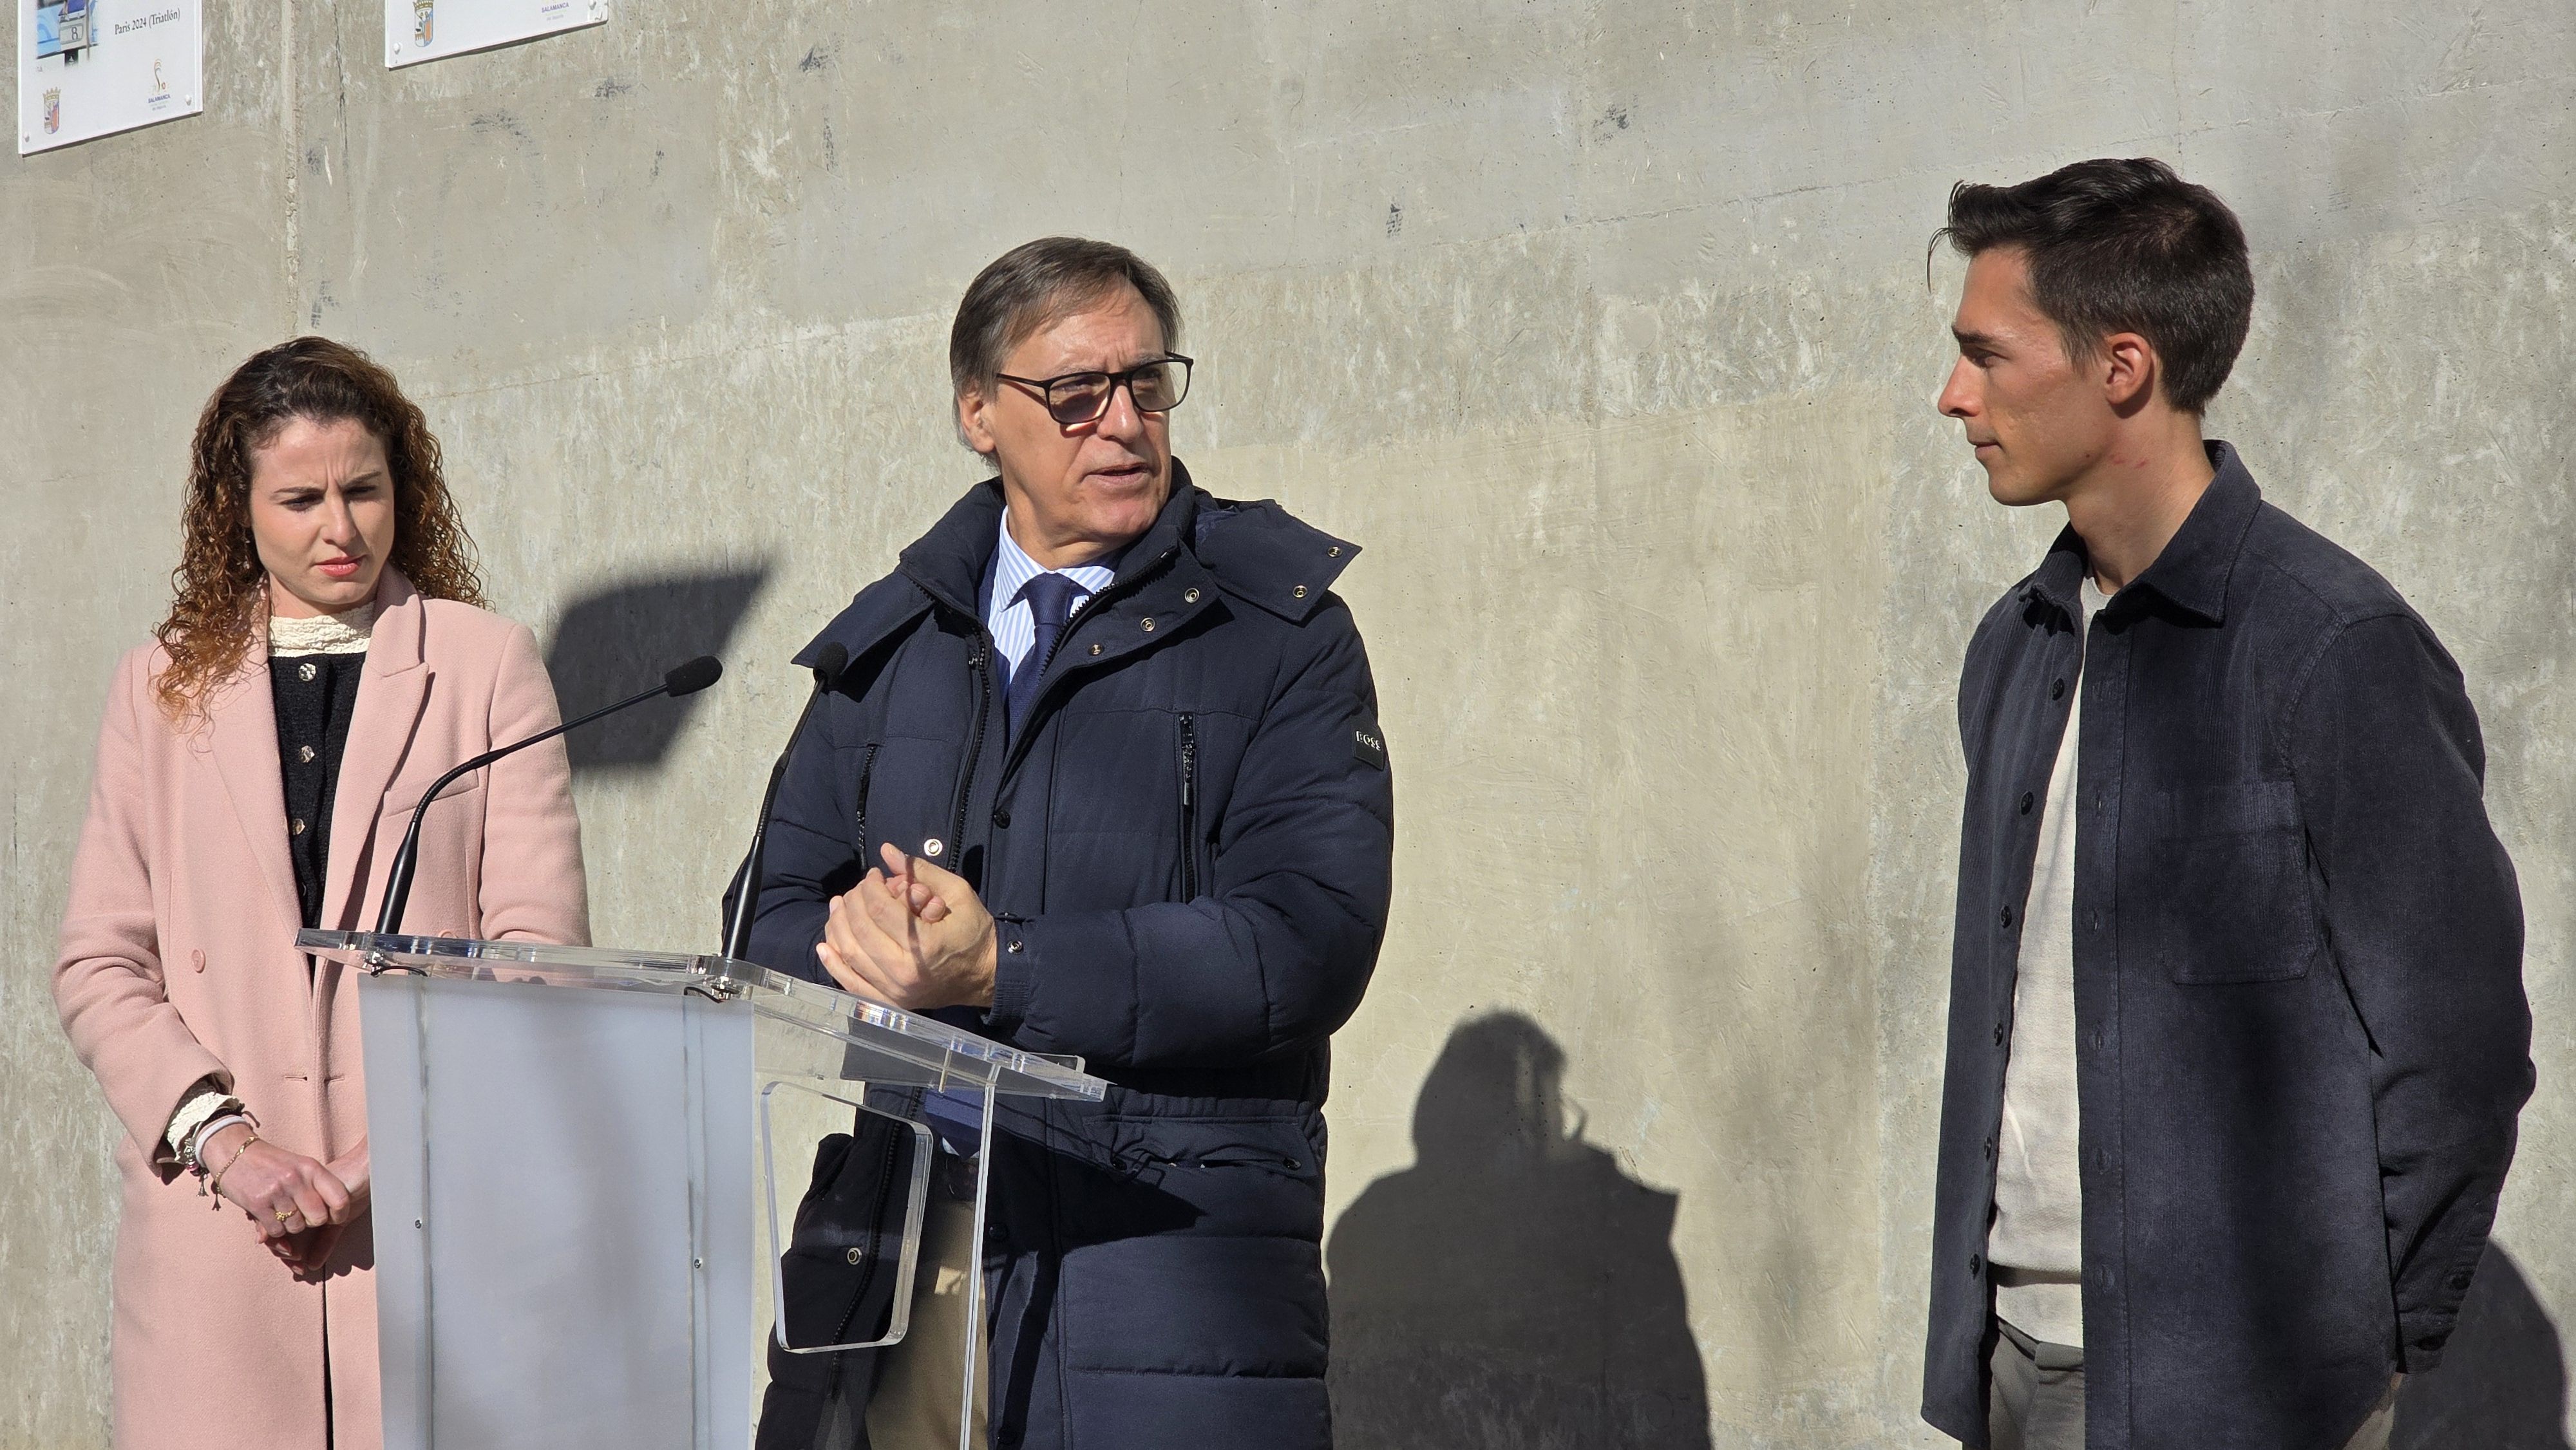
x=976, y=665
x=867, y=769
x=1189, y=807
x=1225, y=1160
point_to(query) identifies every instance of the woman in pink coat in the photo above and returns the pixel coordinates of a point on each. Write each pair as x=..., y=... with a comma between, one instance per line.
x=324, y=659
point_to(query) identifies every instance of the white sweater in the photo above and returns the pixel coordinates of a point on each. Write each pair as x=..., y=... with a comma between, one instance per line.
x=2037, y=1242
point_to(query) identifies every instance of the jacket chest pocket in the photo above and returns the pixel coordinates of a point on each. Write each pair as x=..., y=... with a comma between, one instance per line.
x=2226, y=869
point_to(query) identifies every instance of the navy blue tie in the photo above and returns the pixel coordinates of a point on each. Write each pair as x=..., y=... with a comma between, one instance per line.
x=1050, y=600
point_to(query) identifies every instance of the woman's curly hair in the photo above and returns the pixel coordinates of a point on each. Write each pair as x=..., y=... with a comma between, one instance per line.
x=219, y=591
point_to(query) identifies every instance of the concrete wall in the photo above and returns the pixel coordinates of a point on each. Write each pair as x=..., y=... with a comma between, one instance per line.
x=1604, y=327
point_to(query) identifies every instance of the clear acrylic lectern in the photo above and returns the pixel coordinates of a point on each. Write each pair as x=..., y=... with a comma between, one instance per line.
x=586, y=1168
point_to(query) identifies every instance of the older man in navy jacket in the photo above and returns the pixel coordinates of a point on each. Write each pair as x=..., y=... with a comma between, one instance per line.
x=1104, y=777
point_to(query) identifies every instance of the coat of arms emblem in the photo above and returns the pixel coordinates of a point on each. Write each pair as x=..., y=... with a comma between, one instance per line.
x=420, y=20
x=53, y=112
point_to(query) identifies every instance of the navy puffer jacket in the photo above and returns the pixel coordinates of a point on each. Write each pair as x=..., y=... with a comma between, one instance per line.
x=1187, y=848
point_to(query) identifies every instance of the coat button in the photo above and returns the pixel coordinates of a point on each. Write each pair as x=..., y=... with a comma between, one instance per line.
x=1001, y=818
x=295, y=827
x=2057, y=689
x=2096, y=921
x=1990, y=1150
x=856, y=1254
x=2005, y=916
x=1147, y=624
x=934, y=847
x=1976, y=1265
x=2097, y=1039
x=1999, y=1034
x=197, y=958
x=305, y=671
x=1017, y=946
x=1298, y=593
x=1191, y=597
x=1095, y=649
x=1334, y=552
x=2026, y=802
x=304, y=753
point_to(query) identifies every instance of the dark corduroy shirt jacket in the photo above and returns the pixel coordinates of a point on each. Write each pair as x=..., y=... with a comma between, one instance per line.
x=2301, y=1035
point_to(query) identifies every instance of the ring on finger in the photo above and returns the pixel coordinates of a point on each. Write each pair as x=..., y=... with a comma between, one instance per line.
x=284, y=1214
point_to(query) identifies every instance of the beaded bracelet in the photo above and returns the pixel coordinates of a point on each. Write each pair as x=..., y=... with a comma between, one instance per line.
x=217, y=1187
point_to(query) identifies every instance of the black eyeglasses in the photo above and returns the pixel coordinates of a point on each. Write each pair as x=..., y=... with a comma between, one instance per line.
x=1077, y=398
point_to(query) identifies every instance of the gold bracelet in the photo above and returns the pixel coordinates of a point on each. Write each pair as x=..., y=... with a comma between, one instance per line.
x=216, y=1186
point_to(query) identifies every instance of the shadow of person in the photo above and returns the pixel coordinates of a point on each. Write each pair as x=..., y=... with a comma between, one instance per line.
x=619, y=638
x=2502, y=1383
x=1513, y=1290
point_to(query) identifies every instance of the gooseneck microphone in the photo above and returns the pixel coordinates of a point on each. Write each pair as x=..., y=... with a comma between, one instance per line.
x=829, y=662
x=687, y=679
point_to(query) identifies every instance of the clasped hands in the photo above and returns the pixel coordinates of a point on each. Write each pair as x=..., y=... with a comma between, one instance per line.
x=300, y=1205
x=910, y=934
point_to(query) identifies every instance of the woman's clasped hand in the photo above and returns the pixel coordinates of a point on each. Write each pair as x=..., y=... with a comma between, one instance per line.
x=298, y=1205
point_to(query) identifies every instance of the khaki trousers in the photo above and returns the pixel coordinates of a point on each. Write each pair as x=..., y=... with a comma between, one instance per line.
x=2037, y=1399
x=921, y=1380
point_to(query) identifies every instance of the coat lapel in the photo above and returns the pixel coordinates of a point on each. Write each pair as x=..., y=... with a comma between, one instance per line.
x=241, y=723
x=391, y=689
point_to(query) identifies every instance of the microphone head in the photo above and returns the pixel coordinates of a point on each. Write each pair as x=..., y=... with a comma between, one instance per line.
x=829, y=661
x=694, y=676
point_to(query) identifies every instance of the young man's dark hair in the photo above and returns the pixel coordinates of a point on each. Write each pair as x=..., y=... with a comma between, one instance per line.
x=2123, y=246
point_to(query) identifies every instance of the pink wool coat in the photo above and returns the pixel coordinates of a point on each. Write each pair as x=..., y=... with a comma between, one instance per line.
x=178, y=963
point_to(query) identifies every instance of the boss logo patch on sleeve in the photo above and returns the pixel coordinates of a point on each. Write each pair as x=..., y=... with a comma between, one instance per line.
x=1367, y=746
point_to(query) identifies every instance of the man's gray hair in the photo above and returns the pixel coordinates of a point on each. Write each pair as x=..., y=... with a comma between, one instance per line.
x=1036, y=283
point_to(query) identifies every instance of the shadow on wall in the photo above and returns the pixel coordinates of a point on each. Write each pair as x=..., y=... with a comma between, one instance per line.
x=1513, y=1290
x=615, y=641
x=2502, y=1384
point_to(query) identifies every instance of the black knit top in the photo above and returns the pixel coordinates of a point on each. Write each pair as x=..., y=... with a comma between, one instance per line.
x=314, y=694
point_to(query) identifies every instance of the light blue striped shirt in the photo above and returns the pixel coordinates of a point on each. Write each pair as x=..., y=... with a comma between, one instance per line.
x=1007, y=616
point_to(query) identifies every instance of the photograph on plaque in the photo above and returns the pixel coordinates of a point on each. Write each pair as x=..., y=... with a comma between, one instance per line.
x=88, y=68
x=419, y=30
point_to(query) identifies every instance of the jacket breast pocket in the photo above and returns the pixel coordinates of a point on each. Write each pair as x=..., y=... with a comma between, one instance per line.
x=2227, y=873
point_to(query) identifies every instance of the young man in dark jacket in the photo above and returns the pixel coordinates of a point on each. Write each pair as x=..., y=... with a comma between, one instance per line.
x=2237, y=1029
x=1103, y=777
